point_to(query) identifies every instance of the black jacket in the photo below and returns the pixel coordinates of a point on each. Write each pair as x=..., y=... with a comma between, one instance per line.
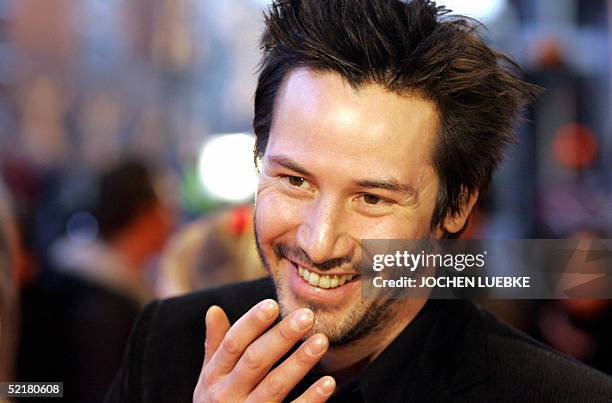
x=453, y=351
x=73, y=331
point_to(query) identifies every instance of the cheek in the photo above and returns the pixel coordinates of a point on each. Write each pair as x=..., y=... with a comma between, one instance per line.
x=391, y=227
x=406, y=223
x=276, y=216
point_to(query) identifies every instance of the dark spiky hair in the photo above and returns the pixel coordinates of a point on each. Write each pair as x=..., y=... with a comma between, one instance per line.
x=405, y=47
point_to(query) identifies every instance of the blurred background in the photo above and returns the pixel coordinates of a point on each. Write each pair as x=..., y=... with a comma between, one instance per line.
x=125, y=158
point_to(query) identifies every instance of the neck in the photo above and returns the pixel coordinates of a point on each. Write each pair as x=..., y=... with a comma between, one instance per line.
x=345, y=362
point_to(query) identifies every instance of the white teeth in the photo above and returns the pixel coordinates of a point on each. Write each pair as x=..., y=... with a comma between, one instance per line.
x=324, y=281
x=314, y=279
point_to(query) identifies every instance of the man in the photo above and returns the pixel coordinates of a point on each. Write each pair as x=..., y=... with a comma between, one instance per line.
x=375, y=119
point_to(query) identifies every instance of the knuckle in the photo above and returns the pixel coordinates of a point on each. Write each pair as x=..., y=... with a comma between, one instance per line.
x=215, y=394
x=303, y=360
x=206, y=393
x=273, y=387
x=252, y=359
x=206, y=380
x=285, y=332
x=231, y=345
x=253, y=319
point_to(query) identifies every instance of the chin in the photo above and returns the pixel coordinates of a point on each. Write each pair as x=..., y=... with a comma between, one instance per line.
x=344, y=323
x=341, y=313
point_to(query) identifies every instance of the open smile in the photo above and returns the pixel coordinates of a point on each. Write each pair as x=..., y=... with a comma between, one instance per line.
x=324, y=281
x=331, y=289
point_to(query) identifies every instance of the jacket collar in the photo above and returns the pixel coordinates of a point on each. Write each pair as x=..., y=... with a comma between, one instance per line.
x=441, y=353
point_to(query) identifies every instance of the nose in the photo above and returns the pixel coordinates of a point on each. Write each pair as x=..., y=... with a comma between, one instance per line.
x=322, y=233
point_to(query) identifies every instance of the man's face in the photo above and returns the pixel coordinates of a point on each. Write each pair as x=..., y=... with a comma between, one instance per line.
x=341, y=165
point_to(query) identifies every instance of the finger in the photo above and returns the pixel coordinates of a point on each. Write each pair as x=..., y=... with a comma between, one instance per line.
x=270, y=347
x=241, y=335
x=217, y=326
x=320, y=391
x=280, y=381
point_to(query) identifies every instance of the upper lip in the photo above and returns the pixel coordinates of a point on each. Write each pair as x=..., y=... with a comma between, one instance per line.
x=322, y=273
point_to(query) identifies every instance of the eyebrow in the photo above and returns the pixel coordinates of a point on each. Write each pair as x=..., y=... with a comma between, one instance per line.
x=389, y=184
x=289, y=164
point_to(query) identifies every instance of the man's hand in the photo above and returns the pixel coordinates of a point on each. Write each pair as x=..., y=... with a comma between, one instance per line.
x=238, y=359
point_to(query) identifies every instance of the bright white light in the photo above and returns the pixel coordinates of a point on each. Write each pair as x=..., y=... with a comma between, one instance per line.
x=262, y=3
x=226, y=167
x=482, y=10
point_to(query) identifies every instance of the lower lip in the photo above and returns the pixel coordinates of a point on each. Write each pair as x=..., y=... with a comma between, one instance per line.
x=303, y=290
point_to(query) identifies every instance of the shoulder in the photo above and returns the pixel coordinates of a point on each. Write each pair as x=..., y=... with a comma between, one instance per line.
x=518, y=366
x=166, y=348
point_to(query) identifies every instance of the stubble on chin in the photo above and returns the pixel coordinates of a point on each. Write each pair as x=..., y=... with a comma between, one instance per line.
x=366, y=317
x=342, y=325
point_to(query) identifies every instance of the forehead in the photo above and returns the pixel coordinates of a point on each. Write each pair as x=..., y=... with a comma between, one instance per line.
x=320, y=120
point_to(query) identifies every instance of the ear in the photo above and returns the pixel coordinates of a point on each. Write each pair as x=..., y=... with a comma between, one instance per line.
x=455, y=223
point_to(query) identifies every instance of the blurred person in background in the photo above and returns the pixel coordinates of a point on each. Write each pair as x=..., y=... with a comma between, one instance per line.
x=96, y=284
x=214, y=250
x=132, y=225
x=23, y=185
x=9, y=251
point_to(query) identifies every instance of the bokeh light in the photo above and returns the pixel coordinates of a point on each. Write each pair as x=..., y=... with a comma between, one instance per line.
x=226, y=168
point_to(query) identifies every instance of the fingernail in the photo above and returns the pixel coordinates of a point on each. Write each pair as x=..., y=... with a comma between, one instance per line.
x=327, y=386
x=302, y=319
x=267, y=310
x=316, y=346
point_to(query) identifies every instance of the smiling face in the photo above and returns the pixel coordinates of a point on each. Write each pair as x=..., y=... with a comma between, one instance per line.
x=341, y=165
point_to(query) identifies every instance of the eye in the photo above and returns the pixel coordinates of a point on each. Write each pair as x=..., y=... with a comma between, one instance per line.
x=296, y=181
x=372, y=199
x=371, y=204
